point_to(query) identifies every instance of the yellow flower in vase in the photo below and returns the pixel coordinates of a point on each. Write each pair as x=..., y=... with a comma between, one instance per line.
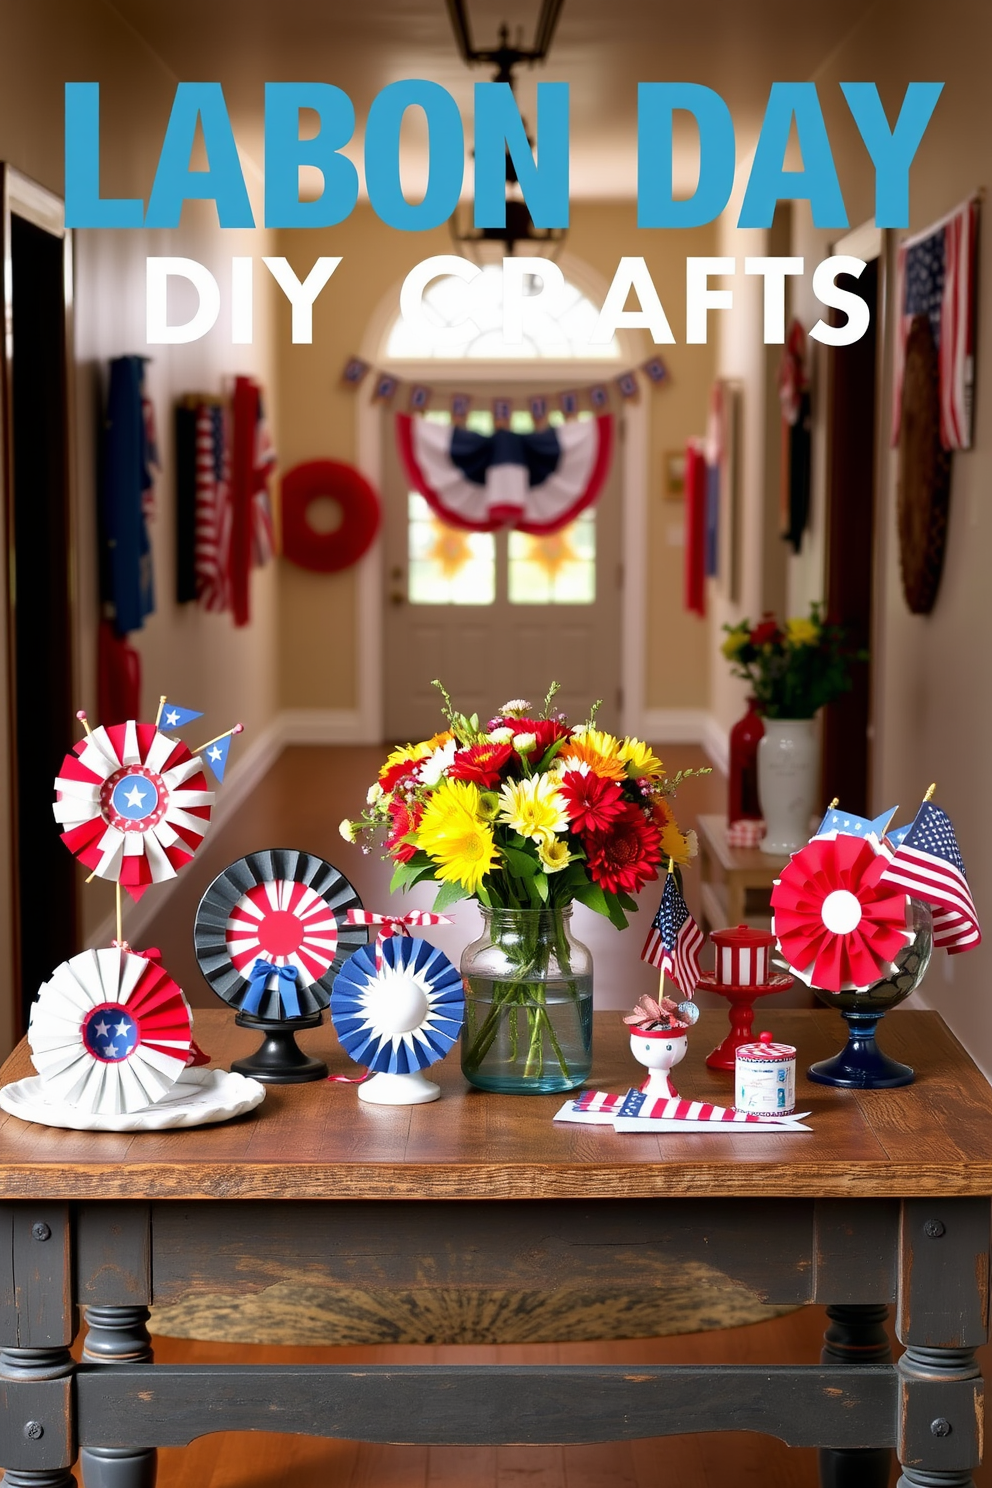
x=641, y=760
x=554, y=855
x=802, y=631
x=534, y=807
x=453, y=833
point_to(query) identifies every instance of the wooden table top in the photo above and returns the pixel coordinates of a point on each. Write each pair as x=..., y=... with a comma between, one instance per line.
x=713, y=831
x=318, y=1141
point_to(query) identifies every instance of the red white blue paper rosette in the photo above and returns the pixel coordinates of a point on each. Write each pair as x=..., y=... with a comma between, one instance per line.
x=404, y=1016
x=837, y=925
x=110, y=1032
x=272, y=931
x=133, y=804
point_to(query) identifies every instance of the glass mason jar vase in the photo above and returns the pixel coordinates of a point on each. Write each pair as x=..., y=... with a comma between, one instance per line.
x=528, y=1003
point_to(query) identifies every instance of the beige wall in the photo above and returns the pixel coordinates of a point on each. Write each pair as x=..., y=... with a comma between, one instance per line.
x=932, y=711
x=318, y=421
x=198, y=658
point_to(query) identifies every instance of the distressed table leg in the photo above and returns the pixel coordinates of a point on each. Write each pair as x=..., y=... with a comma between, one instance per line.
x=118, y=1335
x=856, y=1336
x=943, y=1317
x=36, y=1386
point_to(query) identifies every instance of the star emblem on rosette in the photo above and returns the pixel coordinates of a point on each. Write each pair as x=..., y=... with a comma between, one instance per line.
x=133, y=804
x=837, y=926
x=110, y=1031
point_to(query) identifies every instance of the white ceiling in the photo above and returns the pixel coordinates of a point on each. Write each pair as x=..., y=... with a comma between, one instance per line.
x=602, y=47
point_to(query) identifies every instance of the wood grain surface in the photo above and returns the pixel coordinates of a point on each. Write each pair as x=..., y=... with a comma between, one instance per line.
x=318, y=1141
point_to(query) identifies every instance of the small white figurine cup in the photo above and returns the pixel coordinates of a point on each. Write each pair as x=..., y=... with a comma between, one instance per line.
x=659, y=1050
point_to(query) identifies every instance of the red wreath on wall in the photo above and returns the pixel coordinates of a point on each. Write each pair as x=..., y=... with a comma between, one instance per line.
x=361, y=516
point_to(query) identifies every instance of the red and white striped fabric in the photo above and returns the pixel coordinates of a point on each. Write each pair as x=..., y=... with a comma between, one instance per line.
x=935, y=276
x=395, y=925
x=213, y=508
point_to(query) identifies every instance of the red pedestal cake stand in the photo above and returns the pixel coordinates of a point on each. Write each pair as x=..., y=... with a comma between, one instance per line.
x=741, y=975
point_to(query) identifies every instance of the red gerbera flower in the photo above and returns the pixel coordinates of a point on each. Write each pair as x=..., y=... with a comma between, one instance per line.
x=766, y=633
x=405, y=819
x=627, y=855
x=482, y=764
x=836, y=924
x=593, y=803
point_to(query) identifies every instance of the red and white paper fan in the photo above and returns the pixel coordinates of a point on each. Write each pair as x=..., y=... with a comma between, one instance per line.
x=133, y=804
x=289, y=924
x=110, y=1032
x=836, y=925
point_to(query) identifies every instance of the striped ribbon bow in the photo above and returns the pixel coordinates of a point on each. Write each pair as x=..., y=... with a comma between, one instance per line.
x=258, y=979
x=395, y=924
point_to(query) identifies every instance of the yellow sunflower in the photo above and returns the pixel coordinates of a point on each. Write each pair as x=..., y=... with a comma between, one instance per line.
x=453, y=833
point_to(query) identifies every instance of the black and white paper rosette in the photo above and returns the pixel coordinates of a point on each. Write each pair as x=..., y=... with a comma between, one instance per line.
x=109, y=1033
x=404, y=1016
x=272, y=932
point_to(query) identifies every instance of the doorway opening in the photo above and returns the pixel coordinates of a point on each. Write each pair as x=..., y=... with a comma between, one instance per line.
x=41, y=635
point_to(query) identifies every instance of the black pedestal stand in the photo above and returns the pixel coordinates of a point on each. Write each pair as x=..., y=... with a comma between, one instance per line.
x=278, y=1060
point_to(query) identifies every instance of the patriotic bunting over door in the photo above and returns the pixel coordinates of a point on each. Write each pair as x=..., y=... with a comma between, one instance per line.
x=536, y=483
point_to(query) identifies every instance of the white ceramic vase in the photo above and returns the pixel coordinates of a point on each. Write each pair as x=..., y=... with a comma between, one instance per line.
x=788, y=765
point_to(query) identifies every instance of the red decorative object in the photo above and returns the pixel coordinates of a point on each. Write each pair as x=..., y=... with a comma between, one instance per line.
x=837, y=925
x=361, y=516
x=745, y=736
x=695, y=529
x=741, y=974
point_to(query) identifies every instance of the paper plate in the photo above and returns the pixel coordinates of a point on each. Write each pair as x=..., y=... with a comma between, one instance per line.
x=286, y=908
x=199, y=1097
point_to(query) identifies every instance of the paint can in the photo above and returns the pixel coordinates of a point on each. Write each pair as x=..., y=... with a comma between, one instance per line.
x=765, y=1078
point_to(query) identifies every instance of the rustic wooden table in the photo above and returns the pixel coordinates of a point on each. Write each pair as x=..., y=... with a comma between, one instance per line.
x=886, y=1201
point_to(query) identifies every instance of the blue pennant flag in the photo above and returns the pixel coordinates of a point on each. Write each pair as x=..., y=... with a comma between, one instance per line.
x=855, y=826
x=898, y=835
x=171, y=716
x=216, y=755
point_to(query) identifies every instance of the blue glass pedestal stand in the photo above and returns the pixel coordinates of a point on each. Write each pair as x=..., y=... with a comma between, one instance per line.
x=861, y=1065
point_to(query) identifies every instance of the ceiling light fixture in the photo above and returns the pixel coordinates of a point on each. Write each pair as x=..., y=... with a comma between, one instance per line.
x=519, y=235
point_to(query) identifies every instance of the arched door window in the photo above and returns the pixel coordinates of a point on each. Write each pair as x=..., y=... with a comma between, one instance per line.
x=558, y=333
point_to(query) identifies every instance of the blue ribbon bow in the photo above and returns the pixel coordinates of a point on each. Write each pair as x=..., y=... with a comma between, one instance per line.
x=258, y=979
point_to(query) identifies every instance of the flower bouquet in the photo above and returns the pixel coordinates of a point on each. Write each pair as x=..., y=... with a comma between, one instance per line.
x=526, y=814
x=793, y=669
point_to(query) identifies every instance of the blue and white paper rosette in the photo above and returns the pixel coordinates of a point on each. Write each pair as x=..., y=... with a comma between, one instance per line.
x=403, y=1017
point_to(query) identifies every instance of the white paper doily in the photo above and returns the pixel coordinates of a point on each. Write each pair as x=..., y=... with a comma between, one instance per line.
x=198, y=1097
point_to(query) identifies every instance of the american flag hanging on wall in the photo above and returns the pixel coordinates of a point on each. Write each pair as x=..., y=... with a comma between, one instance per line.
x=935, y=277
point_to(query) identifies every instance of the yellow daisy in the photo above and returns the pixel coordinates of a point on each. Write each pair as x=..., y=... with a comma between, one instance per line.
x=535, y=808
x=640, y=759
x=453, y=834
x=802, y=632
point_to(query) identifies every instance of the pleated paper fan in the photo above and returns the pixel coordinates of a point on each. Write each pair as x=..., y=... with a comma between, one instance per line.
x=837, y=926
x=404, y=1016
x=133, y=804
x=110, y=1032
x=272, y=932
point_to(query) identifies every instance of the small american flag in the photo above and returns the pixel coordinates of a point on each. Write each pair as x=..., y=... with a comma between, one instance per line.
x=929, y=866
x=674, y=940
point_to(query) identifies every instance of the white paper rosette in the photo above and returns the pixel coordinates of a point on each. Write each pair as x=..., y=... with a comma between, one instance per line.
x=110, y=1032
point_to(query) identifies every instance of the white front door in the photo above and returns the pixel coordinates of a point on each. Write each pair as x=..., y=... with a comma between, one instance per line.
x=497, y=615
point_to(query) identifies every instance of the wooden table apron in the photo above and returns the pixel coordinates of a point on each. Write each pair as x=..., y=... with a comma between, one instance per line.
x=925, y=1252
